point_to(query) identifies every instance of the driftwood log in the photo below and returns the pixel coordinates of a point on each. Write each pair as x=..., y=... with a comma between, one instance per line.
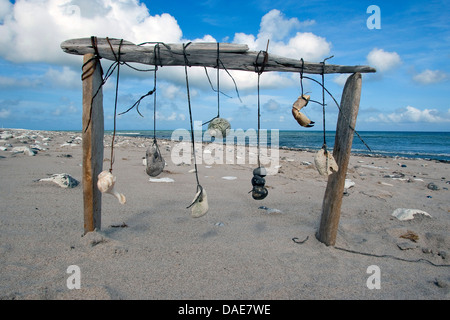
x=233, y=56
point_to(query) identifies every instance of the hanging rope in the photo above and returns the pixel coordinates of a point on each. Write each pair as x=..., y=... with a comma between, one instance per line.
x=115, y=101
x=218, y=64
x=324, y=89
x=259, y=69
x=186, y=64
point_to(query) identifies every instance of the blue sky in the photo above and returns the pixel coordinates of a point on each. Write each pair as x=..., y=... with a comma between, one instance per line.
x=40, y=86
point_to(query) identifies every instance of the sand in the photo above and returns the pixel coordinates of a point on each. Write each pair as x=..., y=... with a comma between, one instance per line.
x=151, y=248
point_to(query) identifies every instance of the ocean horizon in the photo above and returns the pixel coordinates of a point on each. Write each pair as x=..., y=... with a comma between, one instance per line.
x=408, y=144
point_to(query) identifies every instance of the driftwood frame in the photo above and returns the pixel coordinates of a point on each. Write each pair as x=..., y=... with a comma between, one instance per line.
x=233, y=57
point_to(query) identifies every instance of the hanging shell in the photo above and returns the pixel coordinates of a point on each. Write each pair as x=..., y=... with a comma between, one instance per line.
x=325, y=162
x=105, y=184
x=199, y=204
x=218, y=127
x=154, y=161
x=301, y=118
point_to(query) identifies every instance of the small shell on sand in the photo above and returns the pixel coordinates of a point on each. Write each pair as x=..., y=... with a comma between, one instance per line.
x=161, y=180
x=25, y=150
x=408, y=214
x=64, y=180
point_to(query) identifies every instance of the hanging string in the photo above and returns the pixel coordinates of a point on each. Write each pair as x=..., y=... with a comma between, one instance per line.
x=115, y=102
x=87, y=73
x=218, y=63
x=324, y=89
x=260, y=69
x=157, y=54
x=186, y=64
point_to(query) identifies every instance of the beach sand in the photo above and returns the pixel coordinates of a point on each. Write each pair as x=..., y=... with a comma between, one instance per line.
x=151, y=248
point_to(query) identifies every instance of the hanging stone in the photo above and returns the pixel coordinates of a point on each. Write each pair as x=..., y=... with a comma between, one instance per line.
x=154, y=161
x=218, y=127
x=199, y=204
x=325, y=162
x=259, y=191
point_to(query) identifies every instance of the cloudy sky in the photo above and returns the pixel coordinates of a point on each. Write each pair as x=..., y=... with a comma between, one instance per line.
x=409, y=45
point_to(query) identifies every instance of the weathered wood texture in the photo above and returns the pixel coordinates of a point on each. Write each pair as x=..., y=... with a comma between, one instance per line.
x=233, y=56
x=332, y=201
x=92, y=143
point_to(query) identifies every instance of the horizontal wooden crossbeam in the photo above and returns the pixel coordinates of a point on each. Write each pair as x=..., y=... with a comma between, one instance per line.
x=233, y=56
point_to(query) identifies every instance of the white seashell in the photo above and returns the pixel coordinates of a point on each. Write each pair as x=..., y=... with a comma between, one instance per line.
x=161, y=180
x=26, y=150
x=349, y=183
x=408, y=214
x=64, y=180
x=325, y=162
x=199, y=204
x=105, y=184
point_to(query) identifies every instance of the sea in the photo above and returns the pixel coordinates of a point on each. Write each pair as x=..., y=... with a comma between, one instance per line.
x=423, y=145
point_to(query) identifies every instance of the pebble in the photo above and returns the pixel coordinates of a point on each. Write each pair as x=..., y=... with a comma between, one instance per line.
x=432, y=186
x=406, y=245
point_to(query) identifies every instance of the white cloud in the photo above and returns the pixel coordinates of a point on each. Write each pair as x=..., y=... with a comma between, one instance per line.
x=413, y=115
x=275, y=26
x=278, y=29
x=65, y=77
x=382, y=60
x=4, y=113
x=271, y=105
x=341, y=79
x=430, y=76
x=34, y=29
x=5, y=9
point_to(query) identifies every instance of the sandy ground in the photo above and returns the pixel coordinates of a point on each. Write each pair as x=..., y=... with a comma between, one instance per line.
x=151, y=248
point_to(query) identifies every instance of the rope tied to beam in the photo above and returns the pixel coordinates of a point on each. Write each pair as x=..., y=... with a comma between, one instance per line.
x=186, y=64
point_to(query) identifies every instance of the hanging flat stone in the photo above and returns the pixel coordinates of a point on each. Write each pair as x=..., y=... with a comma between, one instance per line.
x=199, y=204
x=218, y=127
x=325, y=162
x=301, y=118
x=154, y=161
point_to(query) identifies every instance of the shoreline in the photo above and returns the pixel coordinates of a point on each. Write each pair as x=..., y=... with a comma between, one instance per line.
x=369, y=154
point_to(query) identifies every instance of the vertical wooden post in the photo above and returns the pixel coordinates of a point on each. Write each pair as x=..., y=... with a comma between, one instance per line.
x=92, y=142
x=332, y=201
